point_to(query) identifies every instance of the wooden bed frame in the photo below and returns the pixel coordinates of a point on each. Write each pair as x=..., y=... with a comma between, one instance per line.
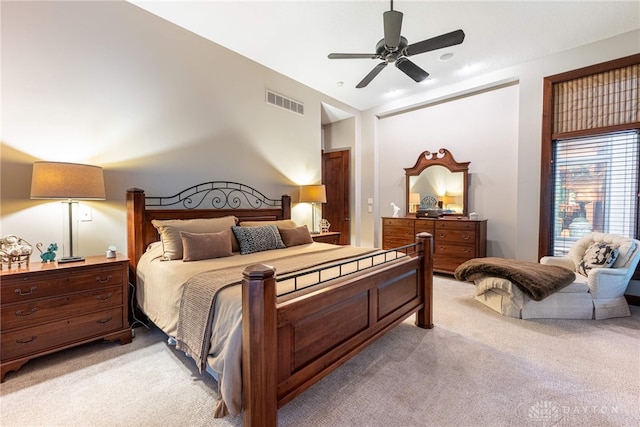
x=290, y=344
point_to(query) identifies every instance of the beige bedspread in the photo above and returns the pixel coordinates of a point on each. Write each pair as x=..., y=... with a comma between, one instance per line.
x=161, y=285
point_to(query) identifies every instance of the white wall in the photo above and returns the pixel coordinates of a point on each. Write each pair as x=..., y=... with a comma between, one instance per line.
x=481, y=129
x=156, y=106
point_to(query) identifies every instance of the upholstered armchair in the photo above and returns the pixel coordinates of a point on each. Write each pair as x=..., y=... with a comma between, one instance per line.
x=606, y=263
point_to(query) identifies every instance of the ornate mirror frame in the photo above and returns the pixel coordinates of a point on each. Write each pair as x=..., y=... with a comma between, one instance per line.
x=442, y=158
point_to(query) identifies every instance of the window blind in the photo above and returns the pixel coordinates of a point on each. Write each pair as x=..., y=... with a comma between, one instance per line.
x=596, y=186
x=599, y=100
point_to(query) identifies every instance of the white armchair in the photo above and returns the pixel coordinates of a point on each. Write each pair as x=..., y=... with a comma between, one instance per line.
x=606, y=285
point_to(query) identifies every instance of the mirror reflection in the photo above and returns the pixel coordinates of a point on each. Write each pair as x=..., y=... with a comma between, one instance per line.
x=437, y=188
x=437, y=184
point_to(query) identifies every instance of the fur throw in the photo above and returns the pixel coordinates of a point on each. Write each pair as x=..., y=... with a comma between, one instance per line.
x=537, y=281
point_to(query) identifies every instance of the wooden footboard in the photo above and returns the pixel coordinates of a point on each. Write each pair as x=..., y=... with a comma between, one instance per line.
x=289, y=346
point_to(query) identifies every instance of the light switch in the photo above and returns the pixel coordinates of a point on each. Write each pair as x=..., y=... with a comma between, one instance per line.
x=370, y=201
x=85, y=213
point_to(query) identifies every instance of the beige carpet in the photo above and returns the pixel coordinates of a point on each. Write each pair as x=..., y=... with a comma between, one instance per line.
x=475, y=368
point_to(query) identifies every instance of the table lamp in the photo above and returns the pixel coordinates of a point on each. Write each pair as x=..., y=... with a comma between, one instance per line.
x=313, y=194
x=448, y=200
x=70, y=181
x=414, y=202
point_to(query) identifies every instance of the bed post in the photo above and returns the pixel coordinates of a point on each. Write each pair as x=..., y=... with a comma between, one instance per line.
x=424, y=316
x=259, y=347
x=135, y=216
x=286, y=206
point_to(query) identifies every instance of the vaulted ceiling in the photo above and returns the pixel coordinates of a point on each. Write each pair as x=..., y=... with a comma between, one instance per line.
x=294, y=37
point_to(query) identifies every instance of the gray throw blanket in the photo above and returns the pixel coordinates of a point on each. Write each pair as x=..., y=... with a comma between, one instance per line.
x=537, y=281
x=198, y=296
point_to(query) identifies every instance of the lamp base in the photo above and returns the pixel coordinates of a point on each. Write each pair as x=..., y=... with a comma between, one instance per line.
x=70, y=259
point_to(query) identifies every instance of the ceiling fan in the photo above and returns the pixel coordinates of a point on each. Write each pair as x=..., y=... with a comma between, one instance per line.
x=395, y=48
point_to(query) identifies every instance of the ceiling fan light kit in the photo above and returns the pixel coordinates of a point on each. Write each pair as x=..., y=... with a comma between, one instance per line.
x=394, y=48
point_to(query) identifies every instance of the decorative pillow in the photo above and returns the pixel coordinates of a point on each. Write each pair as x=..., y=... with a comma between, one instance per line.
x=295, y=236
x=281, y=223
x=257, y=239
x=170, y=229
x=598, y=255
x=199, y=246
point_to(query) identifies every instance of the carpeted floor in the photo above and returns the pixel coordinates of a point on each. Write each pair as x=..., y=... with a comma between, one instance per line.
x=475, y=368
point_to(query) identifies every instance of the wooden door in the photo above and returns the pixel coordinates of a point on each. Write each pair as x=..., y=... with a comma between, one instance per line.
x=336, y=177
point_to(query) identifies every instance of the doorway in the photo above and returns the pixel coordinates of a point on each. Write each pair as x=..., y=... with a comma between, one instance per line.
x=336, y=177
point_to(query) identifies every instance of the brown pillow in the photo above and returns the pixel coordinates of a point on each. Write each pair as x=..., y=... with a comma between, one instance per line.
x=199, y=246
x=169, y=231
x=295, y=236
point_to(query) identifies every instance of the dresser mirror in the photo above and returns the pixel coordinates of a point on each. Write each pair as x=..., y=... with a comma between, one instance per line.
x=437, y=183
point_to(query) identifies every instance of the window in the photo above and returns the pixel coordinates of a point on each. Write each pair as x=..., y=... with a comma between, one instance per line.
x=590, y=161
x=596, y=183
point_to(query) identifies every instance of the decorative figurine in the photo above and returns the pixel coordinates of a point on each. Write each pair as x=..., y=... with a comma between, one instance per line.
x=50, y=254
x=396, y=210
x=324, y=225
x=14, y=250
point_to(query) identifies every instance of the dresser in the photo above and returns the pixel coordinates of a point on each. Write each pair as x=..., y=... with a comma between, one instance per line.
x=454, y=240
x=46, y=307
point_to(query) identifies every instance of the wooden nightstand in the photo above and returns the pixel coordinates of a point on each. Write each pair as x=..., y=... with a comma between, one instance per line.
x=49, y=307
x=332, y=237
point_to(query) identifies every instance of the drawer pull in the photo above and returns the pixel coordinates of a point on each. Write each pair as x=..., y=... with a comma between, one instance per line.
x=26, y=340
x=106, y=297
x=106, y=320
x=19, y=291
x=100, y=280
x=28, y=313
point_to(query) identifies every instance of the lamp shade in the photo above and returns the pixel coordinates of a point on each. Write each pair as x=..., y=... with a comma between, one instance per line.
x=414, y=198
x=313, y=194
x=448, y=200
x=56, y=180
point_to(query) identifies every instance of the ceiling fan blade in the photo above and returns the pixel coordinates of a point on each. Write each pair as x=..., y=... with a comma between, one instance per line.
x=371, y=75
x=411, y=69
x=352, y=56
x=392, y=28
x=445, y=40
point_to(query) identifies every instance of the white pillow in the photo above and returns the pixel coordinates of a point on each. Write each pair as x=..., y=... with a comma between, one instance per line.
x=598, y=255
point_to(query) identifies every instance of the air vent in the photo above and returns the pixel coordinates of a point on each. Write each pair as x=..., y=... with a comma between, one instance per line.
x=284, y=102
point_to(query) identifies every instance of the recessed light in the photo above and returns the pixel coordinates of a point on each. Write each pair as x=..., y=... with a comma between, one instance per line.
x=468, y=69
x=340, y=84
x=446, y=56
